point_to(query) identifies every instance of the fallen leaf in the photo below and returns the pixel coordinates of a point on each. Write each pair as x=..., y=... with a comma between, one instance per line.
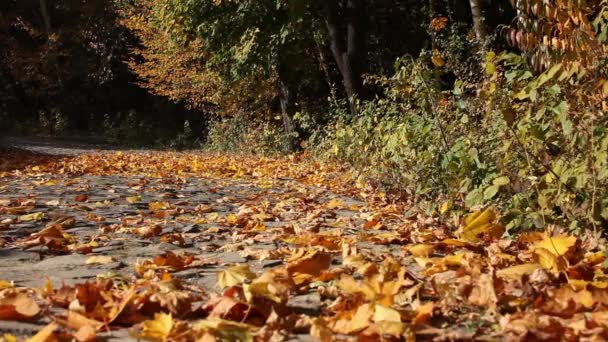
x=159, y=328
x=558, y=245
x=31, y=217
x=99, y=259
x=234, y=275
x=549, y=260
x=17, y=305
x=421, y=250
x=46, y=334
x=518, y=271
x=481, y=226
x=81, y=198
x=424, y=312
x=134, y=199
x=308, y=261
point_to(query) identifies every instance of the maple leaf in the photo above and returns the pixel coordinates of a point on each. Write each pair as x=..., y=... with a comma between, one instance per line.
x=549, y=260
x=518, y=271
x=481, y=226
x=99, y=259
x=308, y=261
x=157, y=329
x=46, y=334
x=223, y=330
x=352, y=321
x=276, y=285
x=558, y=245
x=424, y=312
x=31, y=217
x=134, y=199
x=17, y=305
x=421, y=250
x=234, y=275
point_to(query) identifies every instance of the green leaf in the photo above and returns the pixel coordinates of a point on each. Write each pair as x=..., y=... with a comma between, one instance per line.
x=504, y=180
x=474, y=197
x=490, y=192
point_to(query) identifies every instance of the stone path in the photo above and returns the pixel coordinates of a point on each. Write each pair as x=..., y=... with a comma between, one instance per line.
x=200, y=210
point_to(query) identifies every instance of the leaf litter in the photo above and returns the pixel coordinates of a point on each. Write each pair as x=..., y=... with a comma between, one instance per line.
x=365, y=270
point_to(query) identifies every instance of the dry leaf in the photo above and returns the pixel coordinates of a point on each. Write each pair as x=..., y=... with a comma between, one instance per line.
x=234, y=275
x=421, y=250
x=31, y=217
x=99, y=259
x=518, y=271
x=17, y=305
x=558, y=245
x=309, y=261
x=159, y=328
x=481, y=226
x=46, y=334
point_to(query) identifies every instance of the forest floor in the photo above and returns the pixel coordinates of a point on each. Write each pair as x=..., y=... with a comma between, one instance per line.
x=97, y=242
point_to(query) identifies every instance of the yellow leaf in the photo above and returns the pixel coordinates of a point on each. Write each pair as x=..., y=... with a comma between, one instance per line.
x=585, y=297
x=349, y=322
x=395, y=329
x=232, y=218
x=213, y=217
x=159, y=328
x=335, y=204
x=31, y=217
x=421, y=250
x=276, y=285
x=46, y=334
x=156, y=206
x=234, y=275
x=350, y=285
x=425, y=262
x=557, y=245
x=309, y=261
x=424, y=312
x=437, y=60
x=216, y=329
x=99, y=259
x=5, y=284
x=8, y=338
x=481, y=224
x=444, y=207
x=518, y=271
x=134, y=199
x=549, y=260
x=383, y=313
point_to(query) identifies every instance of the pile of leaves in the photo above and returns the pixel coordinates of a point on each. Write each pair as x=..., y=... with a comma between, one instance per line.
x=377, y=274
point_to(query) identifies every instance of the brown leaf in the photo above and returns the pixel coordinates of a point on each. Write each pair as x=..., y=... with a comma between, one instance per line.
x=46, y=334
x=309, y=261
x=17, y=305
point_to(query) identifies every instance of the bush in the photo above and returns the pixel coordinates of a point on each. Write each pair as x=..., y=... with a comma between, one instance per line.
x=242, y=134
x=534, y=146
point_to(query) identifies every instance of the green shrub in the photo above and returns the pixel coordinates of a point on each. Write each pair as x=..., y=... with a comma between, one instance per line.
x=533, y=146
x=242, y=134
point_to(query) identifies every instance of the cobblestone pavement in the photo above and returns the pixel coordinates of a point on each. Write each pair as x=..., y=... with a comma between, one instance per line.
x=108, y=209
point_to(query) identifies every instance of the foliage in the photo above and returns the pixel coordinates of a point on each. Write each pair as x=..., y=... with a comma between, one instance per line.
x=243, y=134
x=556, y=32
x=367, y=268
x=534, y=146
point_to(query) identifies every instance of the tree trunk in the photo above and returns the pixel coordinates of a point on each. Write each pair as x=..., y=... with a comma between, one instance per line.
x=287, y=111
x=46, y=18
x=347, y=44
x=478, y=21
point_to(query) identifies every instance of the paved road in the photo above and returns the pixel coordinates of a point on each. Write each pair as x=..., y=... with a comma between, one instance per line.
x=115, y=208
